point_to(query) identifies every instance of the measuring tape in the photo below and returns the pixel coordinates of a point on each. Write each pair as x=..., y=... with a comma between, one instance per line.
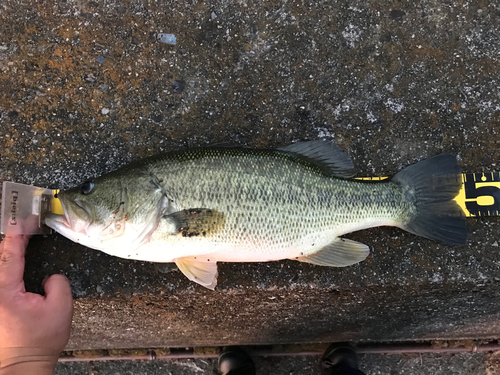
x=56, y=204
x=479, y=195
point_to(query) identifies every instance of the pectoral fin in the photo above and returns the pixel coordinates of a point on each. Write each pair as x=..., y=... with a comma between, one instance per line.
x=200, y=269
x=196, y=222
x=340, y=253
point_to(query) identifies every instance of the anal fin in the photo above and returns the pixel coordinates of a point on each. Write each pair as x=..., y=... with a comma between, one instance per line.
x=200, y=269
x=340, y=253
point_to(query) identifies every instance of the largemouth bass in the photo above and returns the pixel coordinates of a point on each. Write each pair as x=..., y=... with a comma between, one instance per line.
x=208, y=205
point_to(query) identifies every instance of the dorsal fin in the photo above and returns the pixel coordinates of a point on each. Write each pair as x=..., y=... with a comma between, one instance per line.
x=324, y=154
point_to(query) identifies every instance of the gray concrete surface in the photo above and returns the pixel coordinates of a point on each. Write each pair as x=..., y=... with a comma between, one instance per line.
x=371, y=364
x=87, y=86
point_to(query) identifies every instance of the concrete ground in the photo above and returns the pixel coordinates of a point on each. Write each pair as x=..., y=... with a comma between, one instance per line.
x=88, y=86
x=371, y=364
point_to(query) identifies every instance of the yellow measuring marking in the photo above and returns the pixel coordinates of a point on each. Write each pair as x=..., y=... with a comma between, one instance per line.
x=479, y=195
x=56, y=204
x=371, y=178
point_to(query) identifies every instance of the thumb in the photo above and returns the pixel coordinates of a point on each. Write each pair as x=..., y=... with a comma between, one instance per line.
x=58, y=292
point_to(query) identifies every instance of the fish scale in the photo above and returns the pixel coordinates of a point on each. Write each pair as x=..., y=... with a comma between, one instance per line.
x=280, y=200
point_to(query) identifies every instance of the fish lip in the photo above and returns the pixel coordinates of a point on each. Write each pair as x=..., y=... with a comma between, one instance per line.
x=86, y=210
x=58, y=218
x=65, y=221
x=66, y=207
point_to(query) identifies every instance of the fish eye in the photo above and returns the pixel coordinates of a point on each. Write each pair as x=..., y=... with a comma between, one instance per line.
x=87, y=187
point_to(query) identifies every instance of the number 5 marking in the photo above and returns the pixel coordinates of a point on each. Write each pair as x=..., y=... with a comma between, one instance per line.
x=482, y=193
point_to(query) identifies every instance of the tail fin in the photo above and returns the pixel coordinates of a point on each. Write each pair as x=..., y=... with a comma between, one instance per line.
x=434, y=183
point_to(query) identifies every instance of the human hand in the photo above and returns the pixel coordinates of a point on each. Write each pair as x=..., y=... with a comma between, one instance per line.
x=34, y=329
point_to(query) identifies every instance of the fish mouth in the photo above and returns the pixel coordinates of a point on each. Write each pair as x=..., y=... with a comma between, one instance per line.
x=74, y=223
x=76, y=217
x=80, y=212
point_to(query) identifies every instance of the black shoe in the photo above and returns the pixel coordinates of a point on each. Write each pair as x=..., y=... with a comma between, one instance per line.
x=234, y=361
x=339, y=357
